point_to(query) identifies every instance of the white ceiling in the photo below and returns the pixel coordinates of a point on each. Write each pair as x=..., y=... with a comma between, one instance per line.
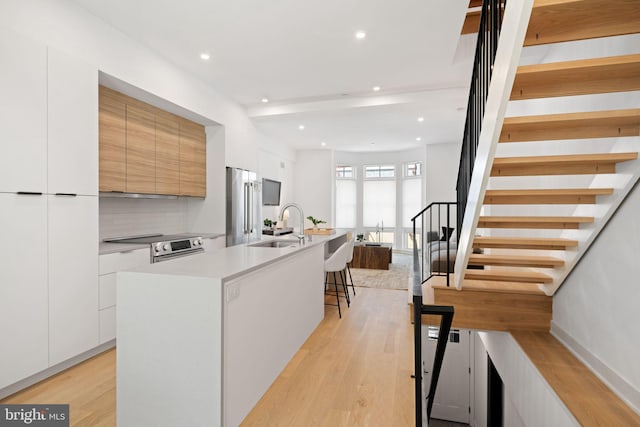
x=303, y=56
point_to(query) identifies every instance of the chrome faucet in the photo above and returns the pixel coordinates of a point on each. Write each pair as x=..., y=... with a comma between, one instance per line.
x=293, y=205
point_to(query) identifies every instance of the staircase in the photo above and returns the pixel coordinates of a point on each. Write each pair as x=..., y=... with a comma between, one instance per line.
x=565, y=156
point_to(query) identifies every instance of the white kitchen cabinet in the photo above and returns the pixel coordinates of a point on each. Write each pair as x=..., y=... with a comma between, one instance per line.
x=109, y=265
x=23, y=114
x=72, y=125
x=73, y=276
x=107, y=324
x=23, y=287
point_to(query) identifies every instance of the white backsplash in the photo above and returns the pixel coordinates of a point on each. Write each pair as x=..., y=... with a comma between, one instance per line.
x=128, y=216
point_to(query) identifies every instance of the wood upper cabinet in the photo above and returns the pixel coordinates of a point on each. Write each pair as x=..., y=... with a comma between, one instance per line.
x=141, y=150
x=167, y=153
x=113, y=138
x=144, y=149
x=193, y=162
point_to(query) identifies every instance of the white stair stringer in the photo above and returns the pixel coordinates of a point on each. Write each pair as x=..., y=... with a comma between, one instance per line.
x=514, y=27
x=628, y=174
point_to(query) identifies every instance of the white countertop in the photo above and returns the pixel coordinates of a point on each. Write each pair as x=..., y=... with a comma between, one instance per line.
x=234, y=261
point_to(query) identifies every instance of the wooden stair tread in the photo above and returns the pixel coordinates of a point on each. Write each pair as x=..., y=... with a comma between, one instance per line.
x=559, y=165
x=544, y=196
x=471, y=22
x=516, y=260
x=526, y=276
x=554, y=21
x=481, y=285
x=589, y=400
x=579, y=77
x=524, y=243
x=489, y=305
x=597, y=124
x=547, y=222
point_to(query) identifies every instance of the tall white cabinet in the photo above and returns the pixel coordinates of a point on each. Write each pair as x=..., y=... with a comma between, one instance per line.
x=48, y=207
x=23, y=114
x=23, y=287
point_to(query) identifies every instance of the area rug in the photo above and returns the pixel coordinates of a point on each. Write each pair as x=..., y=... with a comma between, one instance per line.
x=396, y=277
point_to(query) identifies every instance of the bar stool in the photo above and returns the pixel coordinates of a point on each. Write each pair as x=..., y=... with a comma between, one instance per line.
x=351, y=243
x=337, y=263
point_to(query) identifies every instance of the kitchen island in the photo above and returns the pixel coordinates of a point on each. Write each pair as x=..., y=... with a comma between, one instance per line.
x=201, y=338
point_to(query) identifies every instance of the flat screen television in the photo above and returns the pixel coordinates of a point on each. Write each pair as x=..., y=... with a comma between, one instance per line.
x=270, y=192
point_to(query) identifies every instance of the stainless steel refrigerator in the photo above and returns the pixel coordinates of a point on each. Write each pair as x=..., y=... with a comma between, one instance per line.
x=244, y=206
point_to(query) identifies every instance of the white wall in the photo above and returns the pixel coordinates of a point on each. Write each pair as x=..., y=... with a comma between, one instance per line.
x=441, y=172
x=313, y=187
x=531, y=401
x=208, y=215
x=276, y=161
x=595, y=311
x=479, y=380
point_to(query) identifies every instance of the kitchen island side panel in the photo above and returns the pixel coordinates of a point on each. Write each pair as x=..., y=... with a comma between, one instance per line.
x=268, y=315
x=169, y=350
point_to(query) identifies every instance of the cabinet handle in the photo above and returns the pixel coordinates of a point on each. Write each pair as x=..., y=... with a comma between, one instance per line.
x=66, y=194
x=29, y=193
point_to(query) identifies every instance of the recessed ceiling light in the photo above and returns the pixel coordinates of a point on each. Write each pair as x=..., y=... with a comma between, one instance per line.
x=376, y=88
x=372, y=143
x=324, y=144
x=264, y=100
x=301, y=127
x=421, y=119
x=205, y=56
x=361, y=35
x=418, y=139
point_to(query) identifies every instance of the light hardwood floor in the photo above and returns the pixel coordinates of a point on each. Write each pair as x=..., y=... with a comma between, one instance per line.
x=352, y=371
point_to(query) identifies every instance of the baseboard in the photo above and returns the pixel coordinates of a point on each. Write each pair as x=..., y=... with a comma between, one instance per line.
x=625, y=391
x=36, y=378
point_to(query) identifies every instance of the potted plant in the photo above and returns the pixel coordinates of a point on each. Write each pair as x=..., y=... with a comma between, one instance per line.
x=316, y=221
x=268, y=223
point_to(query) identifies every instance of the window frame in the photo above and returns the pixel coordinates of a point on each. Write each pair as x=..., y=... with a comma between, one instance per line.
x=379, y=177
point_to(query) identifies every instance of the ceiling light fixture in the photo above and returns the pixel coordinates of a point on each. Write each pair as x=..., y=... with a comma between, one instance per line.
x=376, y=88
x=264, y=100
x=360, y=35
x=421, y=119
x=324, y=144
x=205, y=56
x=418, y=139
x=301, y=127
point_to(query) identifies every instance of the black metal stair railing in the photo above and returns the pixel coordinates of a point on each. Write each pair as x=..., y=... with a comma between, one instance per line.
x=420, y=309
x=432, y=232
x=486, y=48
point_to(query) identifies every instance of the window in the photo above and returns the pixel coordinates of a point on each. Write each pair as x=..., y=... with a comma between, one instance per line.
x=413, y=169
x=411, y=200
x=381, y=237
x=343, y=171
x=346, y=200
x=380, y=171
x=379, y=203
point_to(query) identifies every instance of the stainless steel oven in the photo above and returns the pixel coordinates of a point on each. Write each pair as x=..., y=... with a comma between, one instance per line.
x=165, y=247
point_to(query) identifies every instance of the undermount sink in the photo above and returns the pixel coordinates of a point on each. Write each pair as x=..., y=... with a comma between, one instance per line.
x=279, y=243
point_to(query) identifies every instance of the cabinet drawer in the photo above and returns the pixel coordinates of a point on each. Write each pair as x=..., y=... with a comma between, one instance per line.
x=119, y=261
x=107, y=324
x=107, y=290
